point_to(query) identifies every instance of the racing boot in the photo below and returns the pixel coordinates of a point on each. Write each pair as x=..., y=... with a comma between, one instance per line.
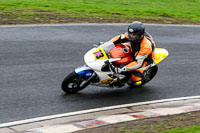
x=134, y=84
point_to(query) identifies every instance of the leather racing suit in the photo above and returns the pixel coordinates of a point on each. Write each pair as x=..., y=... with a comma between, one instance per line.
x=142, y=52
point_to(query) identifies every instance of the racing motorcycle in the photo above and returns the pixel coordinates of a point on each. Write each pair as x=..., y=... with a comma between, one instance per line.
x=100, y=68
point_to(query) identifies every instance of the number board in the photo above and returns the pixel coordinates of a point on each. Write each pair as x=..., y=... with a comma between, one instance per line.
x=99, y=54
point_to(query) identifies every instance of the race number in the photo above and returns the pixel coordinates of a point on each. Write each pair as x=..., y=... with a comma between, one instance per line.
x=99, y=54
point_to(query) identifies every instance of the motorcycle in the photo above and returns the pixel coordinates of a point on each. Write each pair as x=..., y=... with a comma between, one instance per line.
x=100, y=68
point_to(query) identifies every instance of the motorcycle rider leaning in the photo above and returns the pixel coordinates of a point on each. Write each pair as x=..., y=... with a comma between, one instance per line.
x=142, y=47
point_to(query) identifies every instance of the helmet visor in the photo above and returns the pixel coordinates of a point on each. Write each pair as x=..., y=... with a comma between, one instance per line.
x=134, y=36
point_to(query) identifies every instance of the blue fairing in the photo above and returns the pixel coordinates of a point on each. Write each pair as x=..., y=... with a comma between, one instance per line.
x=84, y=71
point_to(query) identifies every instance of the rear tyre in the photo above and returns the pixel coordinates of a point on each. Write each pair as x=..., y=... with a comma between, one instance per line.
x=73, y=83
x=150, y=74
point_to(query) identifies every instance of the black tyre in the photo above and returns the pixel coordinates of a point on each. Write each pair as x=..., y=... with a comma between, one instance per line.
x=73, y=83
x=150, y=74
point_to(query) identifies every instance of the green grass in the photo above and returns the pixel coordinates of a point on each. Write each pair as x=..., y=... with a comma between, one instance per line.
x=190, y=129
x=157, y=10
x=162, y=129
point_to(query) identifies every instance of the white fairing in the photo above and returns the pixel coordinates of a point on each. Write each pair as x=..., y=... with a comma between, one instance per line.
x=91, y=62
x=88, y=57
x=96, y=65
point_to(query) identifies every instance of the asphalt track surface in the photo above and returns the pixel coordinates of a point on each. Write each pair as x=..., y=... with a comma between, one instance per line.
x=35, y=59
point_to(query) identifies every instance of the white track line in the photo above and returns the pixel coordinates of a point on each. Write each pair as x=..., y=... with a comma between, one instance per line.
x=93, y=110
x=93, y=24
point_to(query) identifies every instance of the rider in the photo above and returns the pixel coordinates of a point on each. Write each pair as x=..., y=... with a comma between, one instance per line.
x=142, y=46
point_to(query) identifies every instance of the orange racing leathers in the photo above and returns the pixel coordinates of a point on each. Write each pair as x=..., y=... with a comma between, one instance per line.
x=142, y=52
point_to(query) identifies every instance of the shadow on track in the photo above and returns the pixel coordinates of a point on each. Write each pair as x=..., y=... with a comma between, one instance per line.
x=104, y=93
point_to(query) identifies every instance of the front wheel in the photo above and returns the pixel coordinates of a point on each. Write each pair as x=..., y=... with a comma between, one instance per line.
x=73, y=83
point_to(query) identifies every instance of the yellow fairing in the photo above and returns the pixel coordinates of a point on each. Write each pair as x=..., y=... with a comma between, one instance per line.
x=160, y=54
x=100, y=54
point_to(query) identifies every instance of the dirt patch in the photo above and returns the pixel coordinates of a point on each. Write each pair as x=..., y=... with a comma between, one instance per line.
x=52, y=17
x=150, y=125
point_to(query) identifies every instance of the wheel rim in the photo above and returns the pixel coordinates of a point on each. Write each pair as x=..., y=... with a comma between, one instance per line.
x=148, y=75
x=75, y=84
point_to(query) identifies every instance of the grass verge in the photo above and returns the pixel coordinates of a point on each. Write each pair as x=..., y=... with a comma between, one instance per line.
x=158, y=127
x=180, y=123
x=66, y=11
x=190, y=129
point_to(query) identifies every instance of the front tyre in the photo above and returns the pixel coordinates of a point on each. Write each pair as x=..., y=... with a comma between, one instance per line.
x=73, y=83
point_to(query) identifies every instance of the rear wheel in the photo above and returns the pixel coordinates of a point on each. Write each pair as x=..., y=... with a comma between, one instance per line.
x=150, y=74
x=74, y=83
